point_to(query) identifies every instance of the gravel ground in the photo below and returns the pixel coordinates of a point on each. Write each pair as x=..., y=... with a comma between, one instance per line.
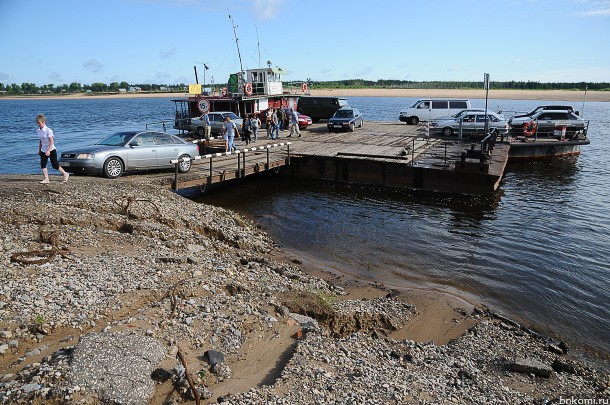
x=106, y=282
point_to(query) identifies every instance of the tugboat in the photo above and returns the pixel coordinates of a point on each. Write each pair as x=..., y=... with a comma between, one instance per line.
x=247, y=92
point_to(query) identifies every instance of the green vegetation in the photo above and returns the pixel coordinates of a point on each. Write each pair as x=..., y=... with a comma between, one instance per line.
x=407, y=84
x=31, y=88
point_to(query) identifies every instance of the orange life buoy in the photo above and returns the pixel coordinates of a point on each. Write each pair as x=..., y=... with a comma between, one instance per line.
x=224, y=91
x=529, y=129
x=304, y=87
x=248, y=89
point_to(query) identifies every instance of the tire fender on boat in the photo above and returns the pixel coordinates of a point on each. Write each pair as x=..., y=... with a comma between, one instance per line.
x=224, y=91
x=529, y=129
x=304, y=87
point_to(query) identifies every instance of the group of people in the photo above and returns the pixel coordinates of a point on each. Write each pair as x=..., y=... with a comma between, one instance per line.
x=274, y=121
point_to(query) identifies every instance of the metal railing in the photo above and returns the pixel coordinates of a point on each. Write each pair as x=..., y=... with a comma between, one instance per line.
x=241, y=159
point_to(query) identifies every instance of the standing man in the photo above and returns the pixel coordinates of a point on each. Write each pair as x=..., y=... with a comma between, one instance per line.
x=46, y=149
x=275, y=126
x=207, y=128
x=231, y=131
x=294, y=122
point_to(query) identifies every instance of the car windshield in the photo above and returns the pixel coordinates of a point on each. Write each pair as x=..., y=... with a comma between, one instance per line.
x=117, y=139
x=344, y=114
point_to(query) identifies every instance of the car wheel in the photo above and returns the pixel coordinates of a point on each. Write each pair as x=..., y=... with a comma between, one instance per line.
x=184, y=165
x=113, y=168
x=200, y=132
x=413, y=121
x=361, y=123
x=352, y=127
x=448, y=131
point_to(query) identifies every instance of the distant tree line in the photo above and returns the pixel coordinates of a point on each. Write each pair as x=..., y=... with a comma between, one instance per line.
x=31, y=88
x=507, y=85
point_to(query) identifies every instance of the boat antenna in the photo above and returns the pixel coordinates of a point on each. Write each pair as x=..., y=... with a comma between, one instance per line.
x=236, y=43
x=582, y=111
x=258, y=45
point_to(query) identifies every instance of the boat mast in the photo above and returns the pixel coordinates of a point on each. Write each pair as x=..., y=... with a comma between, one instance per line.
x=241, y=66
x=258, y=44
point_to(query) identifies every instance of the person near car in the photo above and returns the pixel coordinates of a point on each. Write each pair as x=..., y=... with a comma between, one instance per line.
x=268, y=122
x=231, y=131
x=275, y=126
x=255, y=124
x=47, y=150
x=281, y=115
x=207, y=127
x=247, y=129
x=294, y=123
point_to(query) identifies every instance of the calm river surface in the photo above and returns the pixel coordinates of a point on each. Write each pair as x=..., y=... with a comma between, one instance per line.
x=538, y=250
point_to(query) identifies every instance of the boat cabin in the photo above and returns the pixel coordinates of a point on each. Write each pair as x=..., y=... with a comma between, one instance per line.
x=248, y=92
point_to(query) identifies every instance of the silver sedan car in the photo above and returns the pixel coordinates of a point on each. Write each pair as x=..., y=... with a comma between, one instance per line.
x=129, y=151
x=473, y=123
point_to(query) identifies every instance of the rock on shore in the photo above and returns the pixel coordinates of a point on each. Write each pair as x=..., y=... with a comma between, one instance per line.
x=105, y=282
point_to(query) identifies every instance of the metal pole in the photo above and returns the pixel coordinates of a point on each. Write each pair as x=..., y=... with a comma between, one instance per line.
x=582, y=112
x=176, y=176
x=211, y=170
x=413, y=152
x=486, y=79
x=268, y=159
x=238, y=165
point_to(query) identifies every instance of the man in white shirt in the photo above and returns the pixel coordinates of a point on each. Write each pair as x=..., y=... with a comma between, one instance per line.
x=46, y=149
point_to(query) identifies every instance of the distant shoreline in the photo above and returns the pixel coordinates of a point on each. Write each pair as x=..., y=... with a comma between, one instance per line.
x=550, y=95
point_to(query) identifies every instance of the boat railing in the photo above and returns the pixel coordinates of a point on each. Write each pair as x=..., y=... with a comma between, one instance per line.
x=163, y=123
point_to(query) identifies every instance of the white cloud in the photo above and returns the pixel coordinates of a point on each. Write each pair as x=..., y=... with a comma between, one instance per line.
x=604, y=12
x=167, y=54
x=267, y=9
x=93, y=66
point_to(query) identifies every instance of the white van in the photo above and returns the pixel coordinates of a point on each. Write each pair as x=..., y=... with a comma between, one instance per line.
x=426, y=110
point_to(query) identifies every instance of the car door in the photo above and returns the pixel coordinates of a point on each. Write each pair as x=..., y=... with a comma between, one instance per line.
x=216, y=123
x=167, y=149
x=142, y=152
x=469, y=123
x=546, y=123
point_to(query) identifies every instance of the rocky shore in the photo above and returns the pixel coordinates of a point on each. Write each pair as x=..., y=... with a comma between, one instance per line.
x=124, y=292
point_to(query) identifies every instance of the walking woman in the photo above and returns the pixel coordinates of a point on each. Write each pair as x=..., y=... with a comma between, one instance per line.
x=46, y=149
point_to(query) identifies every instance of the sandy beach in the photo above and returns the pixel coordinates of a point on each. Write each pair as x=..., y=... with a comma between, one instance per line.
x=550, y=95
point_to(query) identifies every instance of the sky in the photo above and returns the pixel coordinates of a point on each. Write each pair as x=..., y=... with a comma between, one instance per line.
x=161, y=41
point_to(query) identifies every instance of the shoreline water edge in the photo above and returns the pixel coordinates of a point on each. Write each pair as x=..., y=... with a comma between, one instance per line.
x=550, y=95
x=123, y=291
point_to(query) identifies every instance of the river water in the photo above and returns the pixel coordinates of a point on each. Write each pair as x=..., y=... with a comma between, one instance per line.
x=537, y=250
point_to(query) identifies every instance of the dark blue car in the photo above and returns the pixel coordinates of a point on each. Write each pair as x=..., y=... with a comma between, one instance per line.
x=345, y=119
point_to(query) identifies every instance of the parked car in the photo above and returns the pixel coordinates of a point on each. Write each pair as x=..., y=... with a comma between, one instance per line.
x=473, y=123
x=217, y=121
x=128, y=151
x=345, y=119
x=547, y=121
x=430, y=109
x=568, y=108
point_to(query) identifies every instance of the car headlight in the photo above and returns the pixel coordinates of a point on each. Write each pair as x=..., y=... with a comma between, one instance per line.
x=85, y=156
